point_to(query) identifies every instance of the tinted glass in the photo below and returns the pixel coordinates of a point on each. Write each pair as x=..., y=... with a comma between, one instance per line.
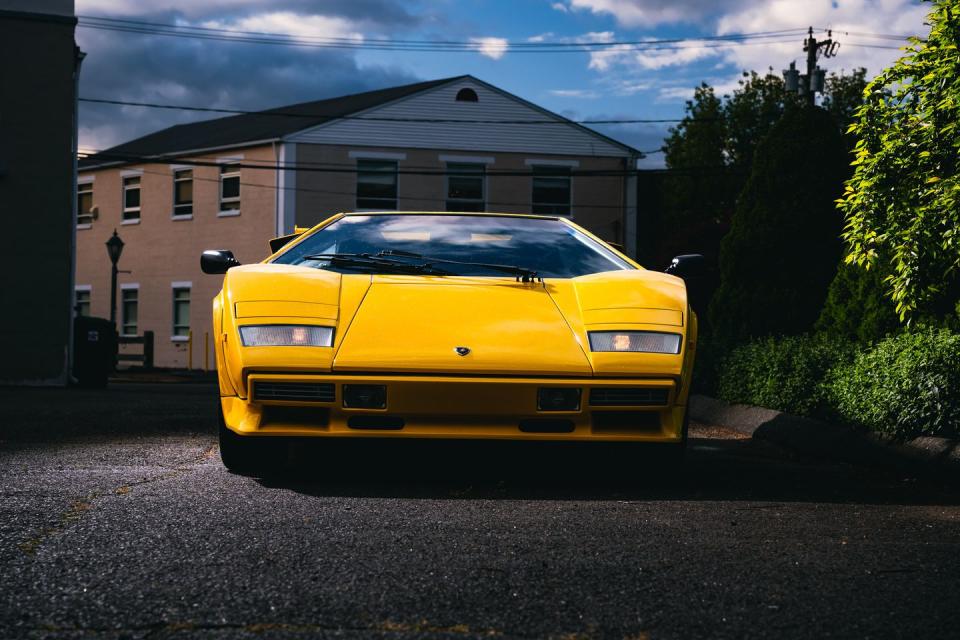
x=549, y=247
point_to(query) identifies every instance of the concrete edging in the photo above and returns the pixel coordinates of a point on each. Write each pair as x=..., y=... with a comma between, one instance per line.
x=820, y=439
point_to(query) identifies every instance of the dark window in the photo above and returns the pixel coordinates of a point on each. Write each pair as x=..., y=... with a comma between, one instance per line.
x=84, y=203
x=183, y=192
x=181, y=311
x=131, y=198
x=551, y=191
x=552, y=248
x=465, y=188
x=82, y=302
x=129, y=304
x=377, y=185
x=230, y=187
x=467, y=95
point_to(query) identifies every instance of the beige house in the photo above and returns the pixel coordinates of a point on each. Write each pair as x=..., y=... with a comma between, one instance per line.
x=456, y=144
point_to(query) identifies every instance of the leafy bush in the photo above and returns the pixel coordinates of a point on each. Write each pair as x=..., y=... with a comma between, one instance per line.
x=907, y=385
x=784, y=245
x=787, y=374
x=857, y=307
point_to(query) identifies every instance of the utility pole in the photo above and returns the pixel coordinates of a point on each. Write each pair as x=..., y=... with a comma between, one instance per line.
x=813, y=82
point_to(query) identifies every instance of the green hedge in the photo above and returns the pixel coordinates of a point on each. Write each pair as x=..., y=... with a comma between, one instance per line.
x=906, y=386
x=787, y=373
x=903, y=386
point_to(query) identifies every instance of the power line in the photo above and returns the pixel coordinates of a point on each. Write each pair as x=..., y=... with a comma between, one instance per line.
x=473, y=45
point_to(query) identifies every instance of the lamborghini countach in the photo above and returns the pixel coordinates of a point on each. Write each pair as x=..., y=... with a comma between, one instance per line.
x=448, y=326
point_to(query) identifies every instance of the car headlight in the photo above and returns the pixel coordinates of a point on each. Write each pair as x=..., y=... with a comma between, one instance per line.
x=636, y=341
x=286, y=335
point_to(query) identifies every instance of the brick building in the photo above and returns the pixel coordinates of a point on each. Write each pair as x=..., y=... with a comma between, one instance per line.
x=456, y=144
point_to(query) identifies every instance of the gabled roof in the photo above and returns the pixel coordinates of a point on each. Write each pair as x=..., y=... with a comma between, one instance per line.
x=264, y=126
x=275, y=124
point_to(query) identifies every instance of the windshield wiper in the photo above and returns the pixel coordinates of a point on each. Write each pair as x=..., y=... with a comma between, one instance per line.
x=367, y=261
x=522, y=273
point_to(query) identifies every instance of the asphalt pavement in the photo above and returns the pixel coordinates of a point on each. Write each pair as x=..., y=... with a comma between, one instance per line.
x=117, y=520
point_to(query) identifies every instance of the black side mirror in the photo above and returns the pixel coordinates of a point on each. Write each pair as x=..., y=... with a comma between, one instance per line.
x=216, y=261
x=689, y=266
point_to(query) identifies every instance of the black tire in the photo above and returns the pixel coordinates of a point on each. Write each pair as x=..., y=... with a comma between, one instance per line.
x=249, y=455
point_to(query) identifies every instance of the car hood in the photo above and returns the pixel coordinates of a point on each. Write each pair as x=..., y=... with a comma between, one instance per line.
x=463, y=325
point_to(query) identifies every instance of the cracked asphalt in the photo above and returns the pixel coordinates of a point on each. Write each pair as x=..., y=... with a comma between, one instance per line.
x=117, y=520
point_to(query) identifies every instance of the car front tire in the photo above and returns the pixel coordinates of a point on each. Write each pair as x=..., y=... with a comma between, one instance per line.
x=249, y=455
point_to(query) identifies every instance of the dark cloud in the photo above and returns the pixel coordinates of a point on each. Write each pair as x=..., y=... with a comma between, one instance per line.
x=164, y=69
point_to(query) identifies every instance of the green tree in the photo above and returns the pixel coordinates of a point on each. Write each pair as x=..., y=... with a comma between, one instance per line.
x=856, y=307
x=902, y=205
x=783, y=247
x=843, y=96
x=755, y=106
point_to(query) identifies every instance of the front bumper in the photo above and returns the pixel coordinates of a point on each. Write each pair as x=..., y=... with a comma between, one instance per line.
x=461, y=407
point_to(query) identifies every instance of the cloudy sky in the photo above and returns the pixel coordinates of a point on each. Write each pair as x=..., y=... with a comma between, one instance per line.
x=614, y=83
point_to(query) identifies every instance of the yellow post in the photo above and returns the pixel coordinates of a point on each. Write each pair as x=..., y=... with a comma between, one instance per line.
x=206, y=351
x=189, y=349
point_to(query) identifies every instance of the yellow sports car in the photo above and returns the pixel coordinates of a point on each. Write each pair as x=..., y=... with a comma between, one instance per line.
x=449, y=326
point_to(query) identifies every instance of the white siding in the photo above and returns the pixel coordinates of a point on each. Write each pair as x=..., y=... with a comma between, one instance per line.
x=561, y=138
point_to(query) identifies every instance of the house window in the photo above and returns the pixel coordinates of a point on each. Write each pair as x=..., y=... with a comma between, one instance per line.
x=551, y=191
x=129, y=306
x=465, y=186
x=84, y=203
x=467, y=95
x=377, y=184
x=131, y=198
x=183, y=192
x=81, y=301
x=229, y=189
x=181, y=311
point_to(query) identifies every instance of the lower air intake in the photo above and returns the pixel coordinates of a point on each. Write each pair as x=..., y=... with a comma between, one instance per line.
x=294, y=391
x=628, y=397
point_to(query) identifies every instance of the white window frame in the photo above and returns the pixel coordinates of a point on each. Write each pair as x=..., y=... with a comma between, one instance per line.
x=129, y=286
x=174, y=168
x=482, y=174
x=124, y=210
x=174, y=287
x=226, y=213
x=86, y=181
x=87, y=288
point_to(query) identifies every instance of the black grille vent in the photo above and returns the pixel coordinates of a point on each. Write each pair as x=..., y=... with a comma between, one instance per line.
x=627, y=397
x=294, y=391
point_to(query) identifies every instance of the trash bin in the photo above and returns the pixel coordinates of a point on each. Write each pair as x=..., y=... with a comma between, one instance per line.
x=94, y=350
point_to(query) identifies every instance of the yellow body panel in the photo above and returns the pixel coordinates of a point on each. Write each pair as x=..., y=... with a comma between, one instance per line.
x=401, y=332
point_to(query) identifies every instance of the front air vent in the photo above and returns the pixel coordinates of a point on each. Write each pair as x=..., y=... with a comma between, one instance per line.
x=628, y=397
x=294, y=391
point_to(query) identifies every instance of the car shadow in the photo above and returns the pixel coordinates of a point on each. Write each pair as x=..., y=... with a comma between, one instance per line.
x=713, y=470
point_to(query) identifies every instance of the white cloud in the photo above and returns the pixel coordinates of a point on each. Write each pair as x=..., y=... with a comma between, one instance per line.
x=651, y=59
x=575, y=93
x=559, y=6
x=541, y=37
x=287, y=22
x=491, y=47
x=648, y=13
x=862, y=16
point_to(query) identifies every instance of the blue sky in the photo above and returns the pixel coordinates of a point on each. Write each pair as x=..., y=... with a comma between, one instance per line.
x=613, y=84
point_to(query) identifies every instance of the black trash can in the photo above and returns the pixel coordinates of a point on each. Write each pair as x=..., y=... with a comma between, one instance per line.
x=94, y=350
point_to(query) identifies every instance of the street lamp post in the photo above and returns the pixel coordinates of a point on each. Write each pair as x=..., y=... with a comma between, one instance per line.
x=114, y=249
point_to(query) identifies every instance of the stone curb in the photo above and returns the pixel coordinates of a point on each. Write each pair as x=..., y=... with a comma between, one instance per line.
x=823, y=440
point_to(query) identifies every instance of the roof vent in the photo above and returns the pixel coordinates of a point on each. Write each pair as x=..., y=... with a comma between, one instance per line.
x=467, y=95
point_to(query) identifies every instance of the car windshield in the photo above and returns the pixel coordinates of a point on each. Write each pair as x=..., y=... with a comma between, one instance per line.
x=547, y=247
